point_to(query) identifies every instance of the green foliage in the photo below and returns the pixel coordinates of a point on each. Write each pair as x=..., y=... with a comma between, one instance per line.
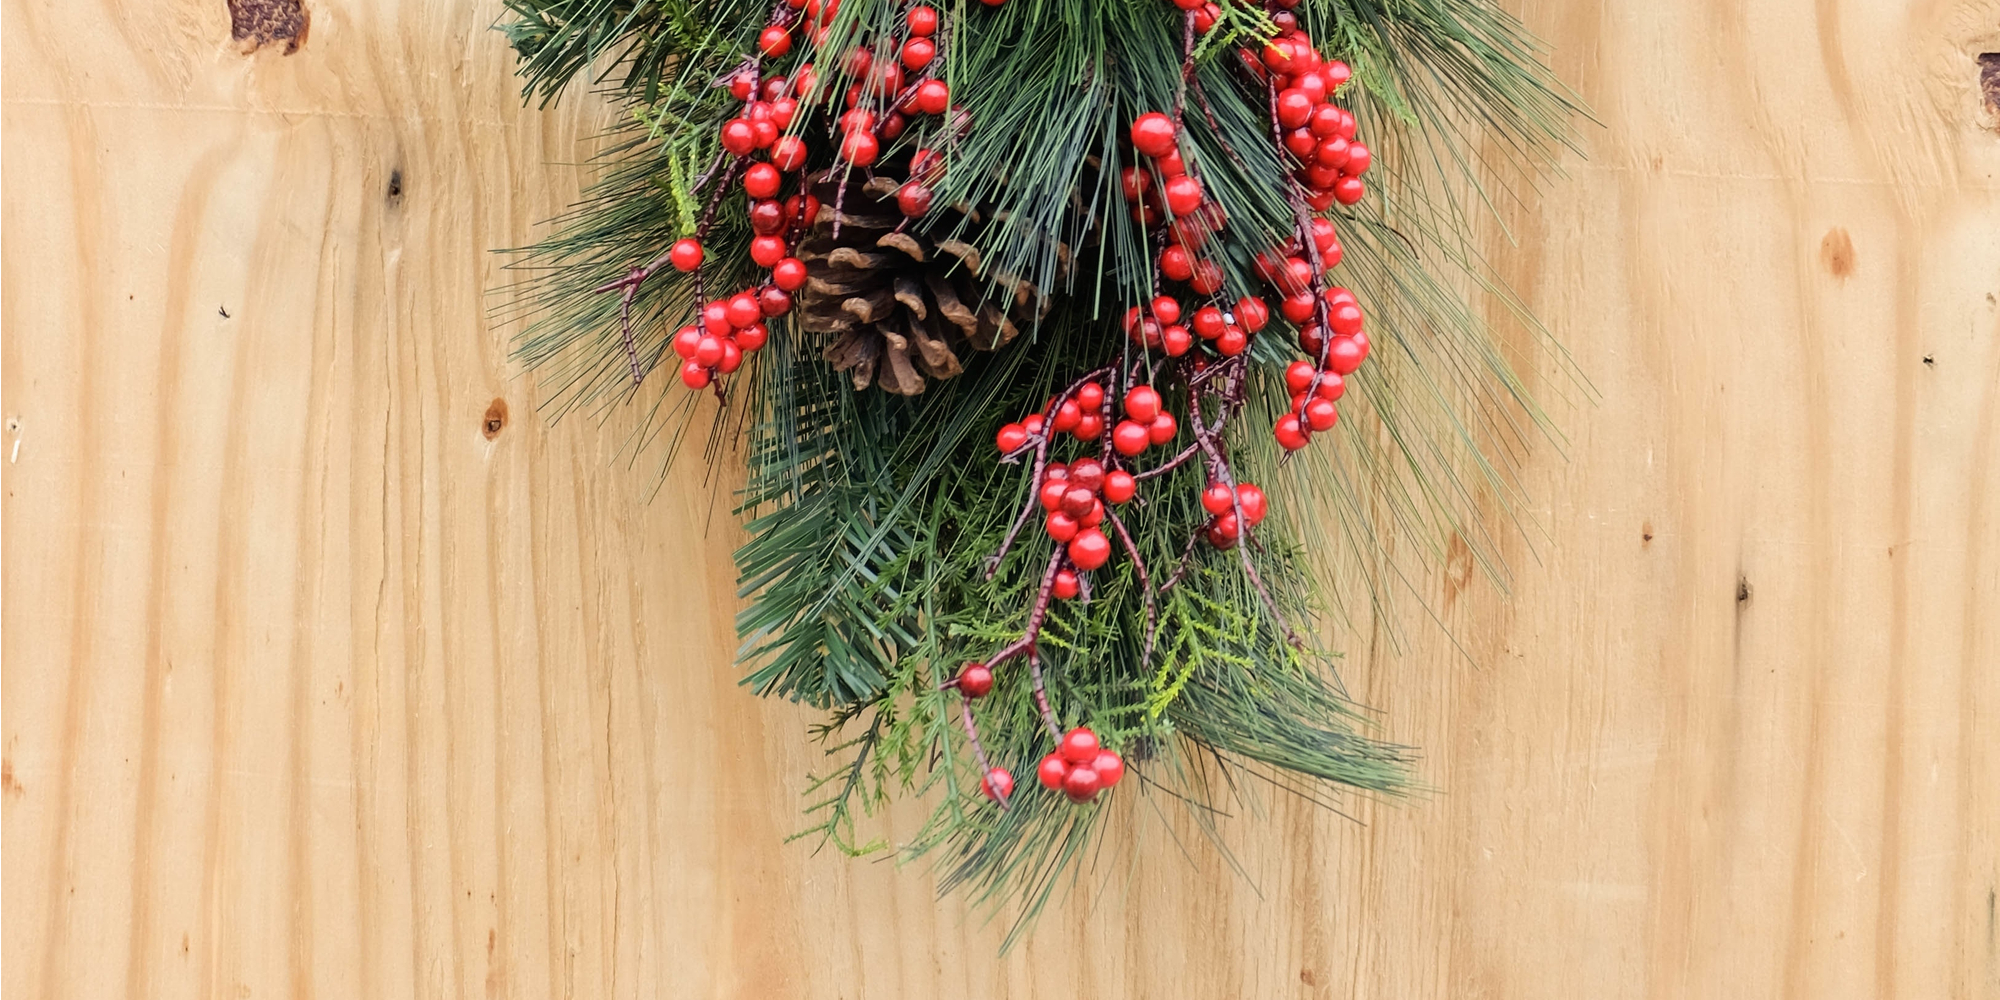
x=871, y=517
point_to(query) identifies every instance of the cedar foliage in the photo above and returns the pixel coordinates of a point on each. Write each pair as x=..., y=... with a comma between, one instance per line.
x=871, y=516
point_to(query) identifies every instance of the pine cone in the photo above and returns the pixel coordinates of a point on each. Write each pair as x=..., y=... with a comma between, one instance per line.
x=894, y=304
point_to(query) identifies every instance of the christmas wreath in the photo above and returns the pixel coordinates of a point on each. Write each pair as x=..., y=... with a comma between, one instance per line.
x=1034, y=322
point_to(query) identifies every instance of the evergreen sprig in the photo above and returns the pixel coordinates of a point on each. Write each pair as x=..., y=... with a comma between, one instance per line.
x=871, y=518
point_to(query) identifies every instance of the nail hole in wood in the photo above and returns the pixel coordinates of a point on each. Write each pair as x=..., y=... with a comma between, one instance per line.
x=1742, y=590
x=395, y=187
x=254, y=24
x=495, y=420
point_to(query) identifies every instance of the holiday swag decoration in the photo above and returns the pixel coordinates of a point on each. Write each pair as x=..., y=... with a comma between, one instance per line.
x=1026, y=306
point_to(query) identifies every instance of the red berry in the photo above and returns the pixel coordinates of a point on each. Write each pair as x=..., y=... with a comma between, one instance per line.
x=1251, y=313
x=715, y=318
x=1298, y=375
x=1183, y=195
x=1346, y=355
x=685, y=341
x=999, y=784
x=1130, y=437
x=1142, y=403
x=1109, y=767
x=1077, y=500
x=774, y=41
x=975, y=680
x=1052, y=494
x=1153, y=134
x=1096, y=515
x=767, y=251
x=1313, y=85
x=707, y=351
x=732, y=357
x=1170, y=164
x=1166, y=309
x=743, y=310
x=1232, y=341
x=695, y=375
x=788, y=154
x=1119, y=486
x=752, y=337
x=1325, y=120
x=1207, y=277
x=1087, y=473
x=1176, y=340
x=1066, y=585
x=1089, y=549
x=686, y=254
x=762, y=180
x=1162, y=429
x=859, y=148
x=1348, y=190
x=1295, y=107
x=1224, y=531
x=1320, y=413
x=1288, y=432
x=1332, y=152
x=1011, y=438
x=1208, y=322
x=1336, y=73
x=1298, y=307
x=1345, y=318
x=1358, y=158
x=1176, y=263
x=913, y=199
x=1205, y=18
x=1081, y=784
x=1061, y=526
x=1079, y=746
x=933, y=97
x=782, y=110
x=1066, y=416
x=767, y=217
x=1251, y=500
x=1033, y=422
x=1217, y=499
x=1090, y=396
x=738, y=137
x=742, y=85
x=1301, y=142
x=918, y=52
x=773, y=301
x=923, y=21
x=1052, y=771
x=1090, y=427
x=789, y=274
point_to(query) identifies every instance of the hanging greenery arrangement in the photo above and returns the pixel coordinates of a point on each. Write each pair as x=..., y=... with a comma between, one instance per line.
x=1045, y=328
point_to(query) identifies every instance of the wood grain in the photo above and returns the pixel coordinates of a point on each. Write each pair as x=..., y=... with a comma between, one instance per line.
x=318, y=684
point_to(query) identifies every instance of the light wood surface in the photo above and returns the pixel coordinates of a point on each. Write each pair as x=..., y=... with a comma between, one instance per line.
x=314, y=689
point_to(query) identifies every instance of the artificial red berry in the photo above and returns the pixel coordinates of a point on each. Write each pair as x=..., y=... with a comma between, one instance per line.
x=1348, y=190
x=1232, y=341
x=685, y=254
x=1081, y=784
x=1224, y=531
x=715, y=318
x=1302, y=143
x=1090, y=428
x=1153, y=134
x=1183, y=195
x=773, y=301
x=1012, y=437
x=1052, y=494
x=975, y=679
x=752, y=337
x=789, y=274
x=743, y=310
x=1163, y=428
x=1166, y=309
x=742, y=85
x=1208, y=322
x=1298, y=375
x=1052, y=770
x=695, y=375
x=1252, y=314
x=859, y=148
x=767, y=251
x=1358, y=158
x=1079, y=746
x=1095, y=516
x=1170, y=163
x=1345, y=318
x=1288, y=432
x=913, y=198
x=1033, y=422
x=933, y=97
x=685, y=340
x=923, y=21
x=1217, y=499
x=1176, y=263
x=1089, y=549
x=1131, y=437
x=1205, y=18
x=918, y=53
x=766, y=217
x=774, y=41
x=1077, y=500
x=1066, y=585
x=1142, y=403
x=926, y=165
x=1090, y=396
x=788, y=154
x=1176, y=340
x=782, y=110
x=738, y=137
x=1295, y=107
x=1207, y=277
x=761, y=181
x=1086, y=473
x=1320, y=414
x=1346, y=354
x=1119, y=486
x=1298, y=307
x=732, y=357
x=1061, y=526
x=1066, y=416
x=707, y=351
x=1251, y=501
x=1109, y=767
x=999, y=784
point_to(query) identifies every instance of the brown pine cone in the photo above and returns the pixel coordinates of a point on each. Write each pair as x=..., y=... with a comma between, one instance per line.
x=895, y=305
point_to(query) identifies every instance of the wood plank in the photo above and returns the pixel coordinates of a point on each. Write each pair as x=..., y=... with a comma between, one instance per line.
x=313, y=689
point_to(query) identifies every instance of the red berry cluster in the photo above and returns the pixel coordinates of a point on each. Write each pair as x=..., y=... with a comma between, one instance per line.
x=1079, y=768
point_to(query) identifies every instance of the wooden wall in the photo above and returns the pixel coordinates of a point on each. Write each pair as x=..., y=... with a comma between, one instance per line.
x=313, y=688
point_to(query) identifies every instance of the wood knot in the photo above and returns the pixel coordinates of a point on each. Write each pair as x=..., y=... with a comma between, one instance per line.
x=1989, y=82
x=495, y=420
x=254, y=24
x=1836, y=251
